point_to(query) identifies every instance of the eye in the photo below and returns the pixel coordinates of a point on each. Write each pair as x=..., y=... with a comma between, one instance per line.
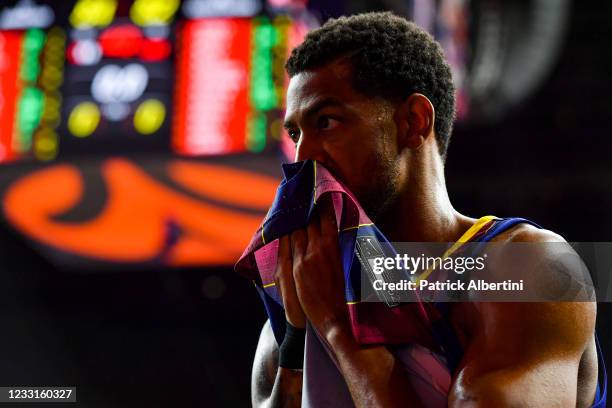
x=327, y=123
x=294, y=135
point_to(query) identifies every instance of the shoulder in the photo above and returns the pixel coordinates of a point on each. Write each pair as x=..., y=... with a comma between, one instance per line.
x=547, y=262
x=525, y=232
x=558, y=290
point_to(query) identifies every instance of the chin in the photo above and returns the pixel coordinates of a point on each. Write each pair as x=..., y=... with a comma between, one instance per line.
x=378, y=203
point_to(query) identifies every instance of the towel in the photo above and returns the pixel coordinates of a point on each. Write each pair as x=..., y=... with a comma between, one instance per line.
x=304, y=184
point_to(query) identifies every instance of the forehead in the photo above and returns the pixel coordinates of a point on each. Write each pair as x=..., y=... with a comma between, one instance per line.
x=331, y=80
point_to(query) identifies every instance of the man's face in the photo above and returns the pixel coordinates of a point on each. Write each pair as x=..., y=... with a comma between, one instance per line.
x=352, y=135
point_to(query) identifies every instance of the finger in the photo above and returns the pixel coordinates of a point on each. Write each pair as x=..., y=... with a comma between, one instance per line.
x=313, y=230
x=299, y=246
x=328, y=224
x=283, y=278
x=284, y=261
x=299, y=241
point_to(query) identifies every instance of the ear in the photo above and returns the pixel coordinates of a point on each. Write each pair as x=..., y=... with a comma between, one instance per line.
x=416, y=121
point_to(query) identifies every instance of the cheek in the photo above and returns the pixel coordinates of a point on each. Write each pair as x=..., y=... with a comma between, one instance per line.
x=351, y=158
x=379, y=175
x=369, y=176
x=377, y=172
x=363, y=161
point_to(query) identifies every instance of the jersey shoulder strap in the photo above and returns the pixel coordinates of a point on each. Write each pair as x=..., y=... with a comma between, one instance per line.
x=488, y=228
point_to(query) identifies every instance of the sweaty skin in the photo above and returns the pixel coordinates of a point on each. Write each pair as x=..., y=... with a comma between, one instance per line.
x=527, y=354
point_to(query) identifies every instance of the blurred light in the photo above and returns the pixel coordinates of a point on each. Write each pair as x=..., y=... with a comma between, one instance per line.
x=45, y=144
x=287, y=4
x=52, y=74
x=51, y=112
x=256, y=133
x=280, y=52
x=155, y=50
x=230, y=109
x=31, y=72
x=84, y=119
x=452, y=33
x=26, y=14
x=156, y=31
x=150, y=12
x=116, y=111
x=276, y=128
x=122, y=41
x=93, y=13
x=221, y=8
x=30, y=113
x=83, y=33
x=10, y=50
x=113, y=83
x=263, y=94
x=149, y=116
x=33, y=42
x=84, y=52
x=212, y=109
x=297, y=33
x=424, y=14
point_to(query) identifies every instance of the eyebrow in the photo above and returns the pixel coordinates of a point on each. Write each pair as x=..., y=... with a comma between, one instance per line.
x=316, y=107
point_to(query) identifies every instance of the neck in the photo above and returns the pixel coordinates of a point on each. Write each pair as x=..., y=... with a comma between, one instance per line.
x=422, y=212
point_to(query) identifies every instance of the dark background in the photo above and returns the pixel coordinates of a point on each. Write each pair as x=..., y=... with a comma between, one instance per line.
x=135, y=338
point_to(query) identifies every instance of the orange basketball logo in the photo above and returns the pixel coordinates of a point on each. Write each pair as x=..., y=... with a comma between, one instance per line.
x=143, y=219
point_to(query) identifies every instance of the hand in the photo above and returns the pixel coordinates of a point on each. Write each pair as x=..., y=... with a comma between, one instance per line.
x=317, y=272
x=372, y=374
x=283, y=277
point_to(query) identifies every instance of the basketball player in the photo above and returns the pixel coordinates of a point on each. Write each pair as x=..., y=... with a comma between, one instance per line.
x=371, y=98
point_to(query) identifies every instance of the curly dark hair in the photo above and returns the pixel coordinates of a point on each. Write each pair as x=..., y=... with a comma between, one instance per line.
x=390, y=57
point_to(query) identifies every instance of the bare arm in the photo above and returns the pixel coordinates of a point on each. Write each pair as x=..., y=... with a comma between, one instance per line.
x=526, y=354
x=271, y=385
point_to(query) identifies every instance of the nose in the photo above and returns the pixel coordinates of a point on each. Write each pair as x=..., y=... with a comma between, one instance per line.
x=310, y=148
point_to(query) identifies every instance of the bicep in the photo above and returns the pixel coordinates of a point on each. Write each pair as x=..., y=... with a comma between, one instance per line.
x=265, y=366
x=524, y=354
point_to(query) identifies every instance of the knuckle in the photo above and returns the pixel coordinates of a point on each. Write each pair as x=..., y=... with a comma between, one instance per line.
x=282, y=265
x=310, y=259
x=298, y=265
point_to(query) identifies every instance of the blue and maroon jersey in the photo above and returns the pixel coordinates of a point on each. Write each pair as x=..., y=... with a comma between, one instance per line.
x=418, y=333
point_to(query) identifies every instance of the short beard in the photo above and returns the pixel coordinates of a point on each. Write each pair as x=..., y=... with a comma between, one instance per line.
x=377, y=200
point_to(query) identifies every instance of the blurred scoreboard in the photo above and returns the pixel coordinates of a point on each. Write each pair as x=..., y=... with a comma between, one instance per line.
x=31, y=73
x=198, y=77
